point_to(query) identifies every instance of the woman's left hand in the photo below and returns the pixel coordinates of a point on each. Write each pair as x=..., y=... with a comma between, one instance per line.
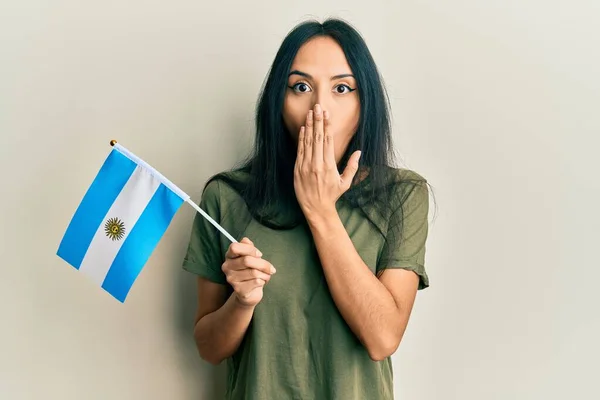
x=317, y=182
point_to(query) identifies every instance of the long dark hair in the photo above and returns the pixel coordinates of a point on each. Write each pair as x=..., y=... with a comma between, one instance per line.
x=268, y=186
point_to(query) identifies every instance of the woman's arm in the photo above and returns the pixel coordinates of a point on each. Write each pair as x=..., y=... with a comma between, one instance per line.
x=220, y=323
x=377, y=310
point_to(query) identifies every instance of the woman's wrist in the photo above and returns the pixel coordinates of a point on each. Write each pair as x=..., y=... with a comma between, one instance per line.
x=242, y=306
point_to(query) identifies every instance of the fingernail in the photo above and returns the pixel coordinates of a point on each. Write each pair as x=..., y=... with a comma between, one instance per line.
x=273, y=270
x=258, y=253
x=318, y=109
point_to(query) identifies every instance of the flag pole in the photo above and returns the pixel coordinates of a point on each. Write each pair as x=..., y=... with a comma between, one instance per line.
x=201, y=211
x=212, y=221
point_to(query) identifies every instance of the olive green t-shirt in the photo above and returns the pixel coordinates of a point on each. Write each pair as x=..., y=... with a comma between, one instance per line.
x=297, y=345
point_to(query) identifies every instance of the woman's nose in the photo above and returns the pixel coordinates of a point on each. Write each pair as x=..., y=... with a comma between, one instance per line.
x=322, y=98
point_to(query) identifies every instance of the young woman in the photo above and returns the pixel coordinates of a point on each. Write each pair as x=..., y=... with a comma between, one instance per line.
x=316, y=297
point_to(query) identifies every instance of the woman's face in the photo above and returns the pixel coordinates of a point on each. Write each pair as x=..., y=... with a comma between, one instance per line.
x=320, y=74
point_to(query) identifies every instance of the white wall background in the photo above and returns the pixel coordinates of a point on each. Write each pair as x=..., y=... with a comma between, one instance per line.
x=496, y=103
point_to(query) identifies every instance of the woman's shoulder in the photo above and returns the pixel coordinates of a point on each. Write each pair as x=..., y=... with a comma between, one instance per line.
x=226, y=185
x=404, y=175
x=405, y=185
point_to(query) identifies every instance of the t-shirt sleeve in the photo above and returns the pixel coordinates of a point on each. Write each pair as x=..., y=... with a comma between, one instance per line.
x=407, y=234
x=204, y=255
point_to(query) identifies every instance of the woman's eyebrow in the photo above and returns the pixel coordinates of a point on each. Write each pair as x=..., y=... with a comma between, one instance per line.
x=341, y=76
x=304, y=74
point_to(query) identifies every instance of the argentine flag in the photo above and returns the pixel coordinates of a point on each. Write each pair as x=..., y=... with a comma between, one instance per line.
x=119, y=222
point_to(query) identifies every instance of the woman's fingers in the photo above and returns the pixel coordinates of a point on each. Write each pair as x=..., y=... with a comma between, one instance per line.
x=250, y=274
x=243, y=248
x=317, y=159
x=245, y=262
x=246, y=288
x=300, y=154
x=308, y=140
x=350, y=170
x=258, y=264
x=315, y=142
x=328, y=148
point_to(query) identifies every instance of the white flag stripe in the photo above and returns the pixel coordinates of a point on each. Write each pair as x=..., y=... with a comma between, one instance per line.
x=127, y=208
x=184, y=196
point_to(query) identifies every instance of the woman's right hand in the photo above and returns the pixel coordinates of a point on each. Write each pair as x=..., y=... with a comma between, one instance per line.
x=246, y=272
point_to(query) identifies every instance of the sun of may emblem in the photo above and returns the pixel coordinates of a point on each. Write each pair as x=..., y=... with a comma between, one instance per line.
x=114, y=228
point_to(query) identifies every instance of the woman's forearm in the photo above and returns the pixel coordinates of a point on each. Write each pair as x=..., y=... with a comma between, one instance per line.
x=219, y=334
x=365, y=303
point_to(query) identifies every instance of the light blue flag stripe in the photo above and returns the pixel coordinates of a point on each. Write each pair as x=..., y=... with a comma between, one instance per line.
x=103, y=191
x=141, y=241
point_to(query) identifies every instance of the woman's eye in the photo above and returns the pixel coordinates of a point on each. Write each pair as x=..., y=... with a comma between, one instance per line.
x=301, y=87
x=343, y=89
